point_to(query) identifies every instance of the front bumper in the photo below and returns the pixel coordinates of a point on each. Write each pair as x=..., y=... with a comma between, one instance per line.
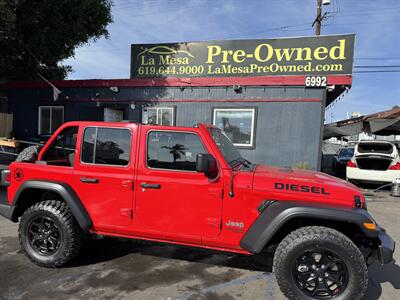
x=6, y=210
x=386, y=247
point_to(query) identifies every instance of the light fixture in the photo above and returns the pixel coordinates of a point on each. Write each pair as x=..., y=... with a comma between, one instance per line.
x=326, y=2
x=114, y=89
x=237, y=88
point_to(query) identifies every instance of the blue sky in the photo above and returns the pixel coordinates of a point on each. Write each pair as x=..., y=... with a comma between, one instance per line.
x=375, y=22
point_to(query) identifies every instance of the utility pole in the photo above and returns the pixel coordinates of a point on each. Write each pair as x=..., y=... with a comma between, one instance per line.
x=318, y=19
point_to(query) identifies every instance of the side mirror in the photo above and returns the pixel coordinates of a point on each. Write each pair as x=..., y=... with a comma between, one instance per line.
x=206, y=163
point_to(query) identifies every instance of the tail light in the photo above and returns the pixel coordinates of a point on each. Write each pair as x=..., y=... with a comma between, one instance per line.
x=351, y=164
x=395, y=167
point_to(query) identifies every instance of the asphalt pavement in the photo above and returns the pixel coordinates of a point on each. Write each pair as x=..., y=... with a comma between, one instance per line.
x=111, y=268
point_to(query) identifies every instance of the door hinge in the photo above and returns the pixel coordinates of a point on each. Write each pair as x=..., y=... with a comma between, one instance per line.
x=219, y=193
x=213, y=222
x=127, y=212
x=127, y=184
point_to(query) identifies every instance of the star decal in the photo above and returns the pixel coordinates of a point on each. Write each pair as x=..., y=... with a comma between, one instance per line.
x=18, y=175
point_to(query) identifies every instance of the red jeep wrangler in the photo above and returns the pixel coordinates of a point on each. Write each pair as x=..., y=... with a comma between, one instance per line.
x=190, y=186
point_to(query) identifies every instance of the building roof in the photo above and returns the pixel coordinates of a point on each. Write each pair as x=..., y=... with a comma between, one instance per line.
x=338, y=83
x=380, y=123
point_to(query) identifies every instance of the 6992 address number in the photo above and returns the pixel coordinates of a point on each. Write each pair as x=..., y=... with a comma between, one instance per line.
x=315, y=81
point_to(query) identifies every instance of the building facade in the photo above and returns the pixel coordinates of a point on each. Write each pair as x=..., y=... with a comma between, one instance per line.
x=273, y=118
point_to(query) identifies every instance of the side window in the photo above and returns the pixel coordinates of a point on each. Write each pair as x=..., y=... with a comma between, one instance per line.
x=61, y=152
x=173, y=150
x=106, y=146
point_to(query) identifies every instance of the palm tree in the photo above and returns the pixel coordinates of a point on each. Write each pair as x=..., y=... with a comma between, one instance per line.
x=176, y=151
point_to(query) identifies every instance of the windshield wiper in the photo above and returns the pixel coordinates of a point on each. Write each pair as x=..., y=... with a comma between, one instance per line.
x=244, y=162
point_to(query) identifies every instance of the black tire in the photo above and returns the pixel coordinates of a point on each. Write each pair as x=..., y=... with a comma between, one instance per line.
x=348, y=265
x=59, y=228
x=29, y=154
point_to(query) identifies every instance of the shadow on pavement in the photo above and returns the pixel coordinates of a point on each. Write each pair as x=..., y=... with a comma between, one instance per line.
x=380, y=274
x=107, y=249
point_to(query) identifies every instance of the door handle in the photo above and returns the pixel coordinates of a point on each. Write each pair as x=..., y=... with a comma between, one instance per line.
x=150, y=185
x=89, y=180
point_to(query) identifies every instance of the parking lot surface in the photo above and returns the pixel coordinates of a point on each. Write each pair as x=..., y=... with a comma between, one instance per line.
x=123, y=269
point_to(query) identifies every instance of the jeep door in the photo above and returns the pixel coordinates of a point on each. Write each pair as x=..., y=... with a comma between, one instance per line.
x=103, y=174
x=173, y=201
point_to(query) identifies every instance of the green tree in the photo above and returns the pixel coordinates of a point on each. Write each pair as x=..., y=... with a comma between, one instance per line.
x=36, y=35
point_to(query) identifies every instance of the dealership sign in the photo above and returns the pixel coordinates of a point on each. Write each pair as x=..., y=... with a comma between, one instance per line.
x=317, y=55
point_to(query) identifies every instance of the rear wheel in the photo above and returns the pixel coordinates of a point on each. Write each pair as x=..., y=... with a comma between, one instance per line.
x=49, y=234
x=320, y=263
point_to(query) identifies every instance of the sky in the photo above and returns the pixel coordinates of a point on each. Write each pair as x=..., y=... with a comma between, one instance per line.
x=376, y=24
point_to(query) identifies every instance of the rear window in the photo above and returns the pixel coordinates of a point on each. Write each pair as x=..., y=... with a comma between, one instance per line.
x=106, y=146
x=384, y=148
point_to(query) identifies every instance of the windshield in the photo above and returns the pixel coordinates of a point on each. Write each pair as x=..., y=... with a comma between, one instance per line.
x=347, y=152
x=228, y=150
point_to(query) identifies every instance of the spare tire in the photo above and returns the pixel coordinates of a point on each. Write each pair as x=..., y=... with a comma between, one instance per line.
x=29, y=154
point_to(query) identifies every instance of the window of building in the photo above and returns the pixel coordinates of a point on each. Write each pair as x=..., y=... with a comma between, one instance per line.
x=106, y=146
x=237, y=123
x=62, y=151
x=159, y=116
x=173, y=150
x=50, y=118
x=113, y=115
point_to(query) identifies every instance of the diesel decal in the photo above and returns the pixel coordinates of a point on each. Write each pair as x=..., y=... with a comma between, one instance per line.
x=300, y=188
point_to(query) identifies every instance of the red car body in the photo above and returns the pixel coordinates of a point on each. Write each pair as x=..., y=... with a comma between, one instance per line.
x=189, y=208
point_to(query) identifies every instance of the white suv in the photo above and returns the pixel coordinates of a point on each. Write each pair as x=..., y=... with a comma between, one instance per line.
x=374, y=161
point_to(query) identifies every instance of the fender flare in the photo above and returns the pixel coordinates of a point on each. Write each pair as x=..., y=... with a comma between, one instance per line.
x=66, y=193
x=276, y=215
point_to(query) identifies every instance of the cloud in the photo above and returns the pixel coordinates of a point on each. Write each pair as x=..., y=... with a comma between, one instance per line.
x=150, y=21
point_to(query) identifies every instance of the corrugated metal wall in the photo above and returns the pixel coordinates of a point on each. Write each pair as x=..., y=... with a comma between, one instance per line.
x=288, y=131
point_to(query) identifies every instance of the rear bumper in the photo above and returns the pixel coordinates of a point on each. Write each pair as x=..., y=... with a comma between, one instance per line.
x=386, y=247
x=372, y=175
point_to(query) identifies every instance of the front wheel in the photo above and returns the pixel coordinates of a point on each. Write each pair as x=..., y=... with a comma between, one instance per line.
x=49, y=234
x=320, y=263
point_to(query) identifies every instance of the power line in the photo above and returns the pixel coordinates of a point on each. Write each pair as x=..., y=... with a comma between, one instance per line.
x=375, y=66
x=378, y=71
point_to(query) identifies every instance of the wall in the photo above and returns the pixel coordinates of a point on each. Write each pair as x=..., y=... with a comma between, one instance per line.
x=288, y=132
x=6, y=122
x=288, y=126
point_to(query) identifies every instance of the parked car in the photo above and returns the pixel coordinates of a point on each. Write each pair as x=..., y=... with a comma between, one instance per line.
x=375, y=162
x=190, y=186
x=341, y=159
